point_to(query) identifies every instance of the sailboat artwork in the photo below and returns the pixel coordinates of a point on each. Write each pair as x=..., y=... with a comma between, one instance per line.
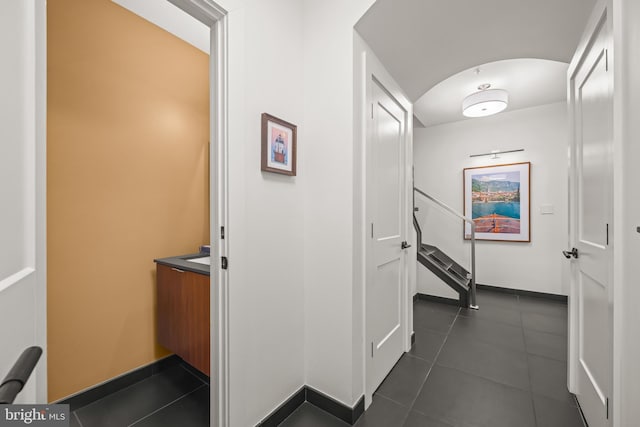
x=496, y=198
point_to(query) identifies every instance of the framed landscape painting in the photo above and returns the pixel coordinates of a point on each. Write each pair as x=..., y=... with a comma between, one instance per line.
x=497, y=199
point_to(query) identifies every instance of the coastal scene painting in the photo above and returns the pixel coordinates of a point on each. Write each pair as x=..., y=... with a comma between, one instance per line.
x=497, y=200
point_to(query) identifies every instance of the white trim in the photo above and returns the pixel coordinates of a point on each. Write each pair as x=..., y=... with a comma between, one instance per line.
x=171, y=19
x=15, y=278
x=220, y=190
x=41, y=374
x=205, y=11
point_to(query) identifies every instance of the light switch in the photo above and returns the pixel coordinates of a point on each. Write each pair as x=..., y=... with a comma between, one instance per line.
x=546, y=209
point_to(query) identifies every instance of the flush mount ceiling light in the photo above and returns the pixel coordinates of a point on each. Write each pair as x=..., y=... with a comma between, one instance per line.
x=485, y=102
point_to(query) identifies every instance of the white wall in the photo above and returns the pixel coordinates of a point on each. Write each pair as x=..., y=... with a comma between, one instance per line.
x=266, y=214
x=332, y=346
x=442, y=152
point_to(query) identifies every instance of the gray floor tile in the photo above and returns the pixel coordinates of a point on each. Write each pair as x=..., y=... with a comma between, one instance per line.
x=486, y=297
x=416, y=419
x=191, y=410
x=551, y=413
x=438, y=306
x=383, y=413
x=542, y=306
x=425, y=317
x=489, y=331
x=545, y=344
x=427, y=345
x=475, y=357
x=73, y=420
x=405, y=380
x=460, y=399
x=549, y=378
x=132, y=403
x=510, y=316
x=544, y=323
x=308, y=415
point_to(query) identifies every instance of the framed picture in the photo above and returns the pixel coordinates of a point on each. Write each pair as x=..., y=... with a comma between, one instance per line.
x=497, y=199
x=278, y=145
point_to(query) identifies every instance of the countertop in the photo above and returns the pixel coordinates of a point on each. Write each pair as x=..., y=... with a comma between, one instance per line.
x=181, y=263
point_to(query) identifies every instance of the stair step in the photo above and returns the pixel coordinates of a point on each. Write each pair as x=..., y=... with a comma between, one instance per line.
x=442, y=271
x=442, y=262
x=456, y=273
x=446, y=269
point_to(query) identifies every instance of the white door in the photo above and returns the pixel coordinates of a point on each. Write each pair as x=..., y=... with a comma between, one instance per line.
x=591, y=98
x=22, y=175
x=385, y=288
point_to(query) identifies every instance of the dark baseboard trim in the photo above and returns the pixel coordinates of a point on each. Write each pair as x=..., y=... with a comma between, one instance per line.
x=318, y=399
x=543, y=295
x=113, y=385
x=284, y=410
x=433, y=298
x=335, y=408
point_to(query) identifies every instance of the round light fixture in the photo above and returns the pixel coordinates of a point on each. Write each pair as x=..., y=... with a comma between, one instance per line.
x=485, y=102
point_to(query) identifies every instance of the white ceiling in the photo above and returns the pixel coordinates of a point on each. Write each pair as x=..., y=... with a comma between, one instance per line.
x=423, y=42
x=530, y=82
x=172, y=19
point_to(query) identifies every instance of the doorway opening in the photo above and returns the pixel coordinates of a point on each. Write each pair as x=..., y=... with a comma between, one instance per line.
x=206, y=194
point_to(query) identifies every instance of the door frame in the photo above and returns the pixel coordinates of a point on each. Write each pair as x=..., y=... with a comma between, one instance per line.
x=601, y=15
x=371, y=68
x=215, y=17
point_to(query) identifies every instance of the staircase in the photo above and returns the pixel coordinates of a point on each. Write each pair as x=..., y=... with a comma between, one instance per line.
x=444, y=267
x=449, y=271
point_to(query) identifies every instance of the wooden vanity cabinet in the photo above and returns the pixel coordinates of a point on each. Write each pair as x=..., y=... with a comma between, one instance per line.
x=183, y=315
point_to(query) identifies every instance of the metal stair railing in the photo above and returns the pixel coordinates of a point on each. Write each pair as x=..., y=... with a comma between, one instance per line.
x=472, y=286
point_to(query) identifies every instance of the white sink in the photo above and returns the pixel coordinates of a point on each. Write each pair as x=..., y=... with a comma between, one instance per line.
x=204, y=260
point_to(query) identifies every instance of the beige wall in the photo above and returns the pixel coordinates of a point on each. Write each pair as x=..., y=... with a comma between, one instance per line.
x=127, y=182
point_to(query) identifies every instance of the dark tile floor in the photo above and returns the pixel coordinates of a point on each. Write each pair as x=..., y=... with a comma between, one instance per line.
x=174, y=397
x=501, y=366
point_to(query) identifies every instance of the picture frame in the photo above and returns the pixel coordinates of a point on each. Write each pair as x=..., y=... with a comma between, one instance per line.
x=498, y=199
x=279, y=145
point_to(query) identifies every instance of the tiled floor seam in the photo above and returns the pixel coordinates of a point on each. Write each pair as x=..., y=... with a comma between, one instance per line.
x=502, y=322
x=75, y=414
x=493, y=381
x=394, y=401
x=435, y=359
x=525, y=353
x=431, y=363
x=524, y=339
x=500, y=346
x=167, y=405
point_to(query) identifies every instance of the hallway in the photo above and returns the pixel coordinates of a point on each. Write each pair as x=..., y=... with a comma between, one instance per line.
x=501, y=366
